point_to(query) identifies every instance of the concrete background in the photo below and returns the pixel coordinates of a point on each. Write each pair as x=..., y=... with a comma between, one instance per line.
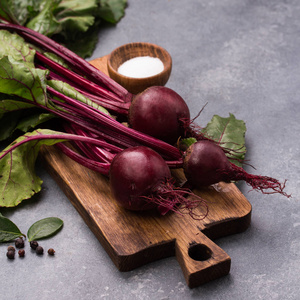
x=240, y=57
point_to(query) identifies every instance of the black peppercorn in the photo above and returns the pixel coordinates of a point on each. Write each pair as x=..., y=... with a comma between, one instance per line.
x=11, y=248
x=34, y=244
x=19, y=243
x=51, y=251
x=10, y=254
x=39, y=250
x=21, y=252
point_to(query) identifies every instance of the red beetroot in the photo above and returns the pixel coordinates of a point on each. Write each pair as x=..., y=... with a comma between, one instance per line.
x=141, y=180
x=159, y=112
x=205, y=163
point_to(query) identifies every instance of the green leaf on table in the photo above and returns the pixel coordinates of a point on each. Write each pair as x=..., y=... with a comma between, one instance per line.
x=44, y=228
x=18, y=180
x=230, y=133
x=8, y=230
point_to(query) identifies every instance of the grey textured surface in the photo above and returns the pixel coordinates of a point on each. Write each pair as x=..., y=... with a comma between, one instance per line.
x=240, y=57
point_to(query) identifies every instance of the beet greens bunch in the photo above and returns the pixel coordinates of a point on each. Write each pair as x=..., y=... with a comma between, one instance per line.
x=38, y=73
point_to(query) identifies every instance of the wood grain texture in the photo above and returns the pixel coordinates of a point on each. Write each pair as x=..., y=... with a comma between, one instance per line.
x=133, y=239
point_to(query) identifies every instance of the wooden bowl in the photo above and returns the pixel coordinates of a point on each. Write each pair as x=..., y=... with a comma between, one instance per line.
x=132, y=50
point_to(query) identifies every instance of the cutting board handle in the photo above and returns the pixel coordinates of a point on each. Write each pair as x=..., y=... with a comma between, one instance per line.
x=201, y=260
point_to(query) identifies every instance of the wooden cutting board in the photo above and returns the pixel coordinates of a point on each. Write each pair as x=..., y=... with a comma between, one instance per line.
x=134, y=239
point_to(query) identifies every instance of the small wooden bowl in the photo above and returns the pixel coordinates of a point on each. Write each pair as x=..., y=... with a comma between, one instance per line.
x=131, y=50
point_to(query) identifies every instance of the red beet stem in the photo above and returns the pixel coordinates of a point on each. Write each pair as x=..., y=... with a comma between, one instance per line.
x=101, y=154
x=104, y=123
x=84, y=83
x=101, y=167
x=116, y=107
x=73, y=60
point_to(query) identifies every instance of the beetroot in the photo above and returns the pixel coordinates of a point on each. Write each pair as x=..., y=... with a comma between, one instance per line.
x=159, y=112
x=205, y=163
x=141, y=180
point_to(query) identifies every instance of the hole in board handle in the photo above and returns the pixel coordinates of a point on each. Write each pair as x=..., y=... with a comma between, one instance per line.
x=199, y=252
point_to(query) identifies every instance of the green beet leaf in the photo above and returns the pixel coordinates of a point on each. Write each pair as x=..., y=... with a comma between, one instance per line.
x=185, y=143
x=44, y=228
x=18, y=180
x=33, y=120
x=69, y=91
x=7, y=10
x=112, y=10
x=11, y=116
x=56, y=59
x=8, y=123
x=45, y=22
x=7, y=105
x=14, y=46
x=16, y=11
x=74, y=23
x=230, y=133
x=85, y=43
x=8, y=230
x=18, y=78
x=76, y=16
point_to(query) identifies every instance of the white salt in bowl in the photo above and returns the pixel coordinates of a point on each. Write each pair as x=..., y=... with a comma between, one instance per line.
x=141, y=59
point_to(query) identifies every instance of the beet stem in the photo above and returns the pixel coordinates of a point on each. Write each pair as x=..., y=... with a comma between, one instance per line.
x=105, y=122
x=72, y=59
x=102, y=168
x=88, y=85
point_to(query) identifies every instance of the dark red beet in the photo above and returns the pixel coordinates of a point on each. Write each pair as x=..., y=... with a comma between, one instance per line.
x=205, y=163
x=137, y=172
x=202, y=163
x=158, y=111
x=141, y=180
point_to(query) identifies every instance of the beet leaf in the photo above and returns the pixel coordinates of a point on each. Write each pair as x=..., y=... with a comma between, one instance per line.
x=230, y=134
x=75, y=23
x=18, y=180
x=18, y=78
x=69, y=91
x=44, y=228
x=13, y=45
x=8, y=230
